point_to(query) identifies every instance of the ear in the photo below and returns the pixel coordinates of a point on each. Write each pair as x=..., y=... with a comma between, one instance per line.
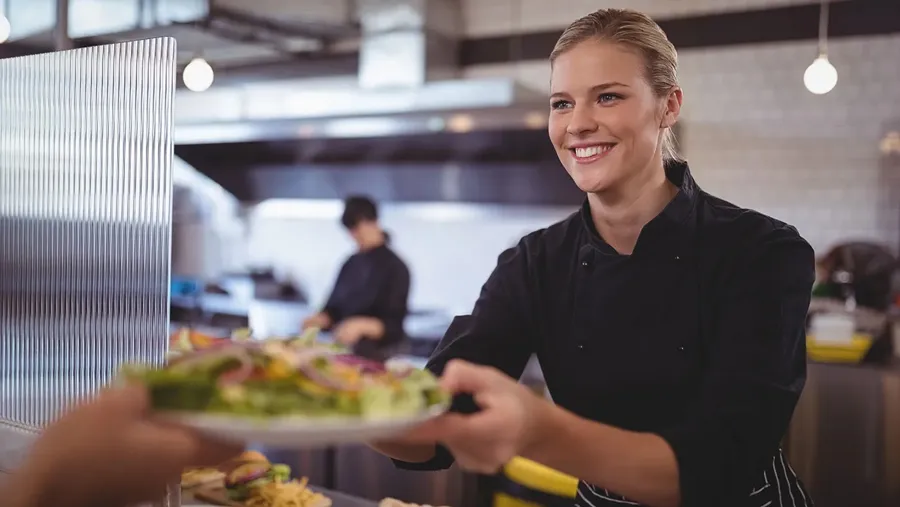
x=672, y=108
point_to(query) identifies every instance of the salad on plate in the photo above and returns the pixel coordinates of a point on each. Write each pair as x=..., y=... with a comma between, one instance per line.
x=287, y=378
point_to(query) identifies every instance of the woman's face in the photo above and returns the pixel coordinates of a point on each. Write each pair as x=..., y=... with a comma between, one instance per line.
x=605, y=121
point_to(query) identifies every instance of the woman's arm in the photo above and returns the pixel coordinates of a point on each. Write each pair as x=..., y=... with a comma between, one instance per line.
x=757, y=367
x=640, y=466
x=499, y=333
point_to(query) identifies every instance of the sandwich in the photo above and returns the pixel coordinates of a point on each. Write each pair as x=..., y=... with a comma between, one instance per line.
x=198, y=477
x=243, y=478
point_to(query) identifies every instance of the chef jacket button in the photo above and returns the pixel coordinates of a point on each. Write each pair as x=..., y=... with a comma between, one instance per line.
x=584, y=263
x=677, y=257
x=580, y=347
x=681, y=348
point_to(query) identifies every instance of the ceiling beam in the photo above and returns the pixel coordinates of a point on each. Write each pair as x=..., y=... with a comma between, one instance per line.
x=323, y=32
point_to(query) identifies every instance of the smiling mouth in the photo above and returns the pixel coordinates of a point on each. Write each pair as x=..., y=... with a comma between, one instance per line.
x=588, y=154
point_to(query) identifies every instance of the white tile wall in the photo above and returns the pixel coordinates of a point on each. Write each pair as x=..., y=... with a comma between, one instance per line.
x=484, y=18
x=755, y=136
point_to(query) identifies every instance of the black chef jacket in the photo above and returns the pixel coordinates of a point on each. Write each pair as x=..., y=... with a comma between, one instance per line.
x=372, y=283
x=698, y=336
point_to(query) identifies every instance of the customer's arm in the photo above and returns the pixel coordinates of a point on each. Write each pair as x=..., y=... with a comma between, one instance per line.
x=109, y=452
x=28, y=488
x=499, y=333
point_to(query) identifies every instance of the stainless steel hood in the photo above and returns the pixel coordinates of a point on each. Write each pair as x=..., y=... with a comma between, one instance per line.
x=407, y=83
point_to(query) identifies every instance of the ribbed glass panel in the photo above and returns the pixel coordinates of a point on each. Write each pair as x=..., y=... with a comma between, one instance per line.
x=85, y=221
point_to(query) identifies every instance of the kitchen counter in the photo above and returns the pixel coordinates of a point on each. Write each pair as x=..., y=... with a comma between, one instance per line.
x=283, y=318
x=843, y=440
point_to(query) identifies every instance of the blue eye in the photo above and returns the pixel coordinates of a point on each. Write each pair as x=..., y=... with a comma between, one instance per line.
x=608, y=97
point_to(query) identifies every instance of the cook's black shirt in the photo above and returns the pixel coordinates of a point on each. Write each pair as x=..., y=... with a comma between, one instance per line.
x=372, y=283
x=698, y=336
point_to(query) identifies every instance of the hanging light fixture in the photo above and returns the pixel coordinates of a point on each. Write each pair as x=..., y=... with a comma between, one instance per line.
x=5, y=28
x=198, y=75
x=821, y=76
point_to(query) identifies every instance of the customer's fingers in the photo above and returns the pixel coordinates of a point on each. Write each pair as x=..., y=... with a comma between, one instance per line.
x=189, y=445
x=127, y=401
x=212, y=452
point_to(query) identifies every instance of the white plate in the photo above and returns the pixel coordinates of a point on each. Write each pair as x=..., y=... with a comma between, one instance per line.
x=298, y=432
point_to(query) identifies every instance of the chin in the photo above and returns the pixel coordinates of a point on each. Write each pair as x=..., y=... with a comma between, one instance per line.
x=592, y=180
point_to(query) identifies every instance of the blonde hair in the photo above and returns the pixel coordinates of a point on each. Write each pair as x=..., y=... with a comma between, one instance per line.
x=636, y=31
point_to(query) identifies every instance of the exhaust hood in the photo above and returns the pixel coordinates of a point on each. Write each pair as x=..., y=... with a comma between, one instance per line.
x=407, y=83
x=405, y=128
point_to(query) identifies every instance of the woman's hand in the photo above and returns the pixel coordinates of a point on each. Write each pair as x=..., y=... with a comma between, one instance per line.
x=509, y=422
x=108, y=452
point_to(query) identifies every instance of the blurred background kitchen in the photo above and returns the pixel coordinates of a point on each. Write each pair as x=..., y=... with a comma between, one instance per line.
x=436, y=109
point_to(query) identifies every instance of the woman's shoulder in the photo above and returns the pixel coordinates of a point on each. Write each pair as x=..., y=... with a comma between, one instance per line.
x=727, y=223
x=743, y=237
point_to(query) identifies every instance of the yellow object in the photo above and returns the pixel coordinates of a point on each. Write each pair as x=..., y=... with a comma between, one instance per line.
x=537, y=477
x=828, y=352
x=504, y=500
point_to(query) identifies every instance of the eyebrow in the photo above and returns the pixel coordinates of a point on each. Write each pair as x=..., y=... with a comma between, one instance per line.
x=595, y=89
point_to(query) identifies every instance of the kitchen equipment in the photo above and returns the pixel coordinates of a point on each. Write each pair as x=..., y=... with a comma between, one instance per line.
x=831, y=327
x=852, y=351
x=525, y=483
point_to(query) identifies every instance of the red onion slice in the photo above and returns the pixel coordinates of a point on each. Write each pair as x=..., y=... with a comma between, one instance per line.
x=239, y=374
x=234, y=375
x=248, y=473
x=327, y=381
x=366, y=365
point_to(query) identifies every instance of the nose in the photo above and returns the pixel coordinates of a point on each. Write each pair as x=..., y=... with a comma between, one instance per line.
x=581, y=121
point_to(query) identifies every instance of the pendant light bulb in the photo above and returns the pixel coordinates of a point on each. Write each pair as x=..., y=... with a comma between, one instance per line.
x=5, y=28
x=198, y=75
x=821, y=76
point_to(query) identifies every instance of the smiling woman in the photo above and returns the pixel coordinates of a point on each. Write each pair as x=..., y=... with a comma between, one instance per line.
x=669, y=324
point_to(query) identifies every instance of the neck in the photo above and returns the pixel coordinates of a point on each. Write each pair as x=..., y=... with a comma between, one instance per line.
x=372, y=241
x=621, y=213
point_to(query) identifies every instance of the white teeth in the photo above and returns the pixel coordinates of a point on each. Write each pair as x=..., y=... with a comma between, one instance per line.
x=590, y=151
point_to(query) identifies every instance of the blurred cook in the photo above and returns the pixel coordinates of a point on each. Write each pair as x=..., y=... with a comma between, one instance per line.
x=368, y=303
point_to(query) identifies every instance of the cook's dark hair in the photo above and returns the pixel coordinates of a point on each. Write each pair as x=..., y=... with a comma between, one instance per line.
x=358, y=208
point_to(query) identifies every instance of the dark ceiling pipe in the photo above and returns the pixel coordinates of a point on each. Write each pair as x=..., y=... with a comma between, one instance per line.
x=61, y=39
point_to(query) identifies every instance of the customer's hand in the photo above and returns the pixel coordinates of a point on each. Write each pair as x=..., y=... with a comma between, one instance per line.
x=320, y=320
x=109, y=452
x=507, y=424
